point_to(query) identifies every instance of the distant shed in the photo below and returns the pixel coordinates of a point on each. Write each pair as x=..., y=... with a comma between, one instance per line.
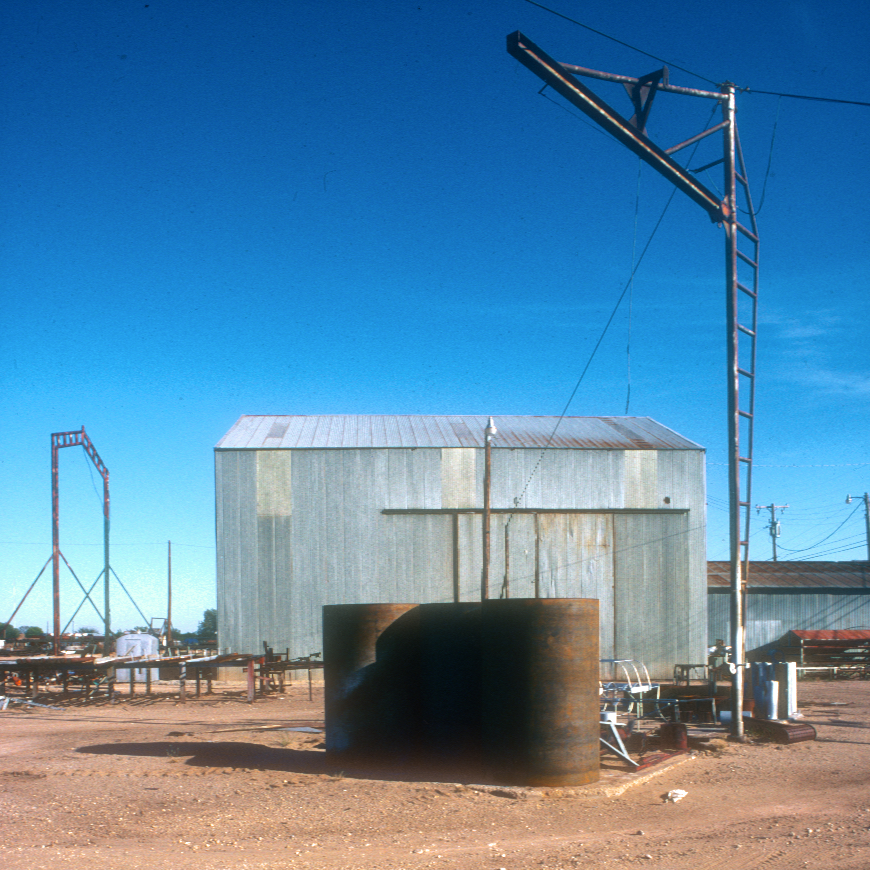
x=315, y=510
x=782, y=596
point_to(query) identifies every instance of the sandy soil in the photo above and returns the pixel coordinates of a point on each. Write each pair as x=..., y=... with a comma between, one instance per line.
x=218, y=783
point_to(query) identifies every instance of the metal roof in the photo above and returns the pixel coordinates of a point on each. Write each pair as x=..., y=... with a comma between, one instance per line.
x=258, y=432
x=807, y=575
x=831, y=634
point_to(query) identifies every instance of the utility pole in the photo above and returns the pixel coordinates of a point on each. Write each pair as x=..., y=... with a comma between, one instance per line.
x=169, y=597
x=866, y=518
x=774, y=525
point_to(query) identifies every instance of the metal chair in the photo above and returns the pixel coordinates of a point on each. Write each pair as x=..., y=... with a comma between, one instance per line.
x=633, y=689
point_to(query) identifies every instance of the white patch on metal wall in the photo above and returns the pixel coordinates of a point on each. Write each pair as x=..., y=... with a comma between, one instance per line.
x=641, y=478
x=459, y=477
x=274, y=494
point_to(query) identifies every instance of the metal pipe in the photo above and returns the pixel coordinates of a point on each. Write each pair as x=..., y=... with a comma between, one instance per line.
x=81, y=586
x=29, y=590
x=691, y=141
x=455, y=559
x=507, y=560
x=487, y=513
x=628, y=80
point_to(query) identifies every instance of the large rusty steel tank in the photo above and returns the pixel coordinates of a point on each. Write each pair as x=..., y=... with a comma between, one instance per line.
x=540, y=711
x=402, y=683
x=449, y=683
x=364, y=705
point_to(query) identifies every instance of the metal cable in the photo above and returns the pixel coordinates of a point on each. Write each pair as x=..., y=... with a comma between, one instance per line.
x=769, y=161
x=813, y=547
x=697, y=75
x=631, y=286
x=625, y=289
x=620, y=42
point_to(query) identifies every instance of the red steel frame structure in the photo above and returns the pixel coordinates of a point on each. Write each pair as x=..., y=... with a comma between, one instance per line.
x=76, y=439
x=741, y=296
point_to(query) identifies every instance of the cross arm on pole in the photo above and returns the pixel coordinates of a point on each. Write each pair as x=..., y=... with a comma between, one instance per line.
x=558, y=78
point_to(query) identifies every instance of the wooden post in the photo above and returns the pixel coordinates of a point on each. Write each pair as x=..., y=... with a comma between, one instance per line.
x=182, y=682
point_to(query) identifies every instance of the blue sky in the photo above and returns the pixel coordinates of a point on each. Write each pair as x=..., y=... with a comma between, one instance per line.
x=215, y=209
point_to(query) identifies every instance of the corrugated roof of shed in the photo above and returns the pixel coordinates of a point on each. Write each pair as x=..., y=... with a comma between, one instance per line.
x=831, y=634
x=793, y=575
x=258, y=432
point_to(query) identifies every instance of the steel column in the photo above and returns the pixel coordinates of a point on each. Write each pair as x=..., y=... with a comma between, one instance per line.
x=55, y=543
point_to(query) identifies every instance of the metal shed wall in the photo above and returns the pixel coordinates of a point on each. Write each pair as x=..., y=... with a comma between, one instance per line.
x=299, y=528
x=770, y=613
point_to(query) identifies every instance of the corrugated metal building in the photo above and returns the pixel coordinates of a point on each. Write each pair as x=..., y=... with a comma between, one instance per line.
x=782, y=596
x=315, y=510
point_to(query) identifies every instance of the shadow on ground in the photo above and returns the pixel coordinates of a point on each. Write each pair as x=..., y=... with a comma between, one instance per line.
x=254, y=756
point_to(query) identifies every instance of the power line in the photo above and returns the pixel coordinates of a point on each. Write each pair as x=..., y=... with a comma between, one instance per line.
x=817, y=556
x=697, y=75
x=620, y=42
x=769, y=161
x=631, y=287
x=628, y=284
x=826, y=465
x=813, y=547
x=803, y=97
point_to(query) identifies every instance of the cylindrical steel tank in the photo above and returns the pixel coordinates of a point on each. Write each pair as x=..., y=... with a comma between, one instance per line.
x=362, y=715
x=449, y=682
x=540, y=711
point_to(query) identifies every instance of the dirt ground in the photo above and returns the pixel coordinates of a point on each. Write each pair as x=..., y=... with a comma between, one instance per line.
x=218, y=783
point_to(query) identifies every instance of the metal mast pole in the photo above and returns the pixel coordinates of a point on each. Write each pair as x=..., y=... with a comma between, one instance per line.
x=107, y=620
x=632, y=134
x=55, y=544
x=738, y=639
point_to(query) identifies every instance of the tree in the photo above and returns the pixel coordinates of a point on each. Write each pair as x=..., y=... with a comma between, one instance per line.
x=8, y=632
x=32, y=631
x=207, y=629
